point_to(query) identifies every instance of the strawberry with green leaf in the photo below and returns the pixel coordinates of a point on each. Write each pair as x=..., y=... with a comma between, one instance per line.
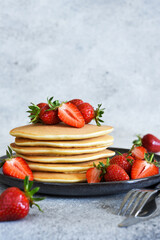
x=15, y=204
x=15, y=166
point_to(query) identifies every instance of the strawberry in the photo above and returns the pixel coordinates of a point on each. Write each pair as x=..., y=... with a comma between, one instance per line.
x=49, y=117
x=76, y=101
x=89, y=113
x=69, y=114
x=138, y=152
x=115, y=173
x=34, y=111
x=123, y=160
x=15, y=166
x=14, y=204
x=94, y=175
x=144, y=167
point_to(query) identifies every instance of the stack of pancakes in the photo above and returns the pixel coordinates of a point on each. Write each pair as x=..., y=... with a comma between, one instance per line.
x=60, y=153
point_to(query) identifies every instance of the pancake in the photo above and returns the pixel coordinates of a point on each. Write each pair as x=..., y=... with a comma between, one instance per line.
x=56, y=151
x=63, y=167
x=59, y=131
x=59, y=177
x=102, y=140
x=69, y=159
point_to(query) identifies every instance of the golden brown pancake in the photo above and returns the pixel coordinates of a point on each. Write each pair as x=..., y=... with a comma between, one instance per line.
x=59, y=131
x=59, y=177
x=96, y=141
x=55, y=151
x=63, y=167
x=69, y=159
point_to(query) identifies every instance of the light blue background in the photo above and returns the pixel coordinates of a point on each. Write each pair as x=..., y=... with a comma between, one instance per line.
x=101, y=51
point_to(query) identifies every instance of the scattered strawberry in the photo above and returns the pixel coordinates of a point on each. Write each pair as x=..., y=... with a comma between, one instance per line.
x=15, y=166
x=144, y=167
x=76, y=101
x=115, y=173
x=138, y=152
x=69, y=114
x=151, y=143
x=123, y=160
x=89, y=113
x=14, y=204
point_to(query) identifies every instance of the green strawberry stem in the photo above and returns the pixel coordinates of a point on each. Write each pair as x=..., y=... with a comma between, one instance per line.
x=29, y=193
x=138, y=142
x=34, y=111
x=53, y=105
x=98, y=114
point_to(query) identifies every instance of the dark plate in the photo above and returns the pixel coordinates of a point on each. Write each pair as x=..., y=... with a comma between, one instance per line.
x=85, y=189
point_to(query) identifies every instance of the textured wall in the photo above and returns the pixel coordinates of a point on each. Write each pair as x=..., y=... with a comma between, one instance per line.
x=102, y=51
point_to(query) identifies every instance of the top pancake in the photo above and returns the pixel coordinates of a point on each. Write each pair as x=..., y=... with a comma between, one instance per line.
x=59, y=131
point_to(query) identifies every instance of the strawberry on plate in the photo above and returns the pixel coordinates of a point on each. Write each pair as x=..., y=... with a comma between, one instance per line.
x=144, y=167
x=15, y=166
x=94, y=175
x=138, y=152
x=14, y=203
x=115, y=173
x=123, y=160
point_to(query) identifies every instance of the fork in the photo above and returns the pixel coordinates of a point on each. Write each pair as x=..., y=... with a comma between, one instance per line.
x=136, y=200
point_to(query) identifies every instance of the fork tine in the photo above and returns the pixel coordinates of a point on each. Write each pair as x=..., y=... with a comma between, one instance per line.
x=125, y=200
x=138, y=203
x=146, y=198
x=130, y=203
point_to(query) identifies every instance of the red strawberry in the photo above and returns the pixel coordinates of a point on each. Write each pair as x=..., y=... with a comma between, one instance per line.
x=89, y=113
x=14, y=204
x=138, y=152
x=40, y=105
x=76, y=101
x=144, y=167
x=34, y=111
x=123, y=160
x=115, y=173
x=94, y=175
x=69, y=114
x=49, y=117
x=16, y=166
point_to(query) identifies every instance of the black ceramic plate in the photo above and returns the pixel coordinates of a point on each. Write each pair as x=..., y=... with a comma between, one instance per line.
x=85, y=189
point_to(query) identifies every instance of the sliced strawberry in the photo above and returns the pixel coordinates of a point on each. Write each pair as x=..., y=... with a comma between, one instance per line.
x=138, y=152
x=94, y=175
x=115, y=173
x=144, y=167
x=76, y=101
x=69, y=114
x=16, y=167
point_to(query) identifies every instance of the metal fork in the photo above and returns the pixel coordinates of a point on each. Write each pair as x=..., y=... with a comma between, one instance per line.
x=136, y=200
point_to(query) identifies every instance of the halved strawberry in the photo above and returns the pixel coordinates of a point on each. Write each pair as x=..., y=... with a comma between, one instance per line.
x=138, y=152
x=16, y=166
x=69, y=114
x=144, y=167
x=94, y=175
